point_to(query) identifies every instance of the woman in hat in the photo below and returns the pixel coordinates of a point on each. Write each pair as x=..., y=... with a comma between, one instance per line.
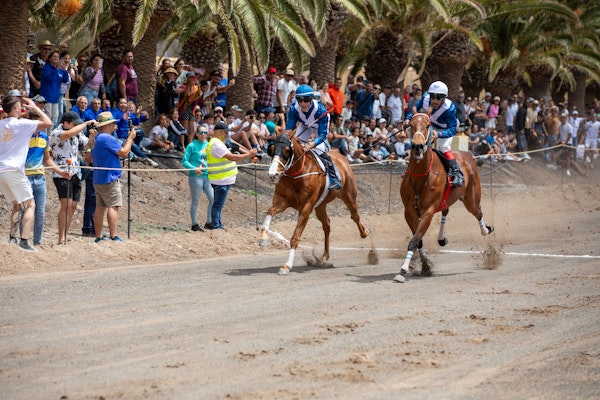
x=166, y=90
x=54, y=74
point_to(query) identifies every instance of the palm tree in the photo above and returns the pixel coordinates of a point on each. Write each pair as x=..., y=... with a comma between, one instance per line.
x=12, y=51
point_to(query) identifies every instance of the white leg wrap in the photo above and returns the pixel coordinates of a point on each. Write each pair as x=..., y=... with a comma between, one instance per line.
x=484, y=229
x=266, y=224
x=422, y=252
x=442, y=226
x=290, y=261
x=404, y=267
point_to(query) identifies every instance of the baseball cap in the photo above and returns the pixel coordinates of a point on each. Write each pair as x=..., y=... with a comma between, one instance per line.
x=497, y=98
x=575, y=112
x=222, y=125
x=382, y=120
x=218, y=108
x=14, y=92
x=73, y=117
x=39, y=98
x=488, y=94
x=272, y=70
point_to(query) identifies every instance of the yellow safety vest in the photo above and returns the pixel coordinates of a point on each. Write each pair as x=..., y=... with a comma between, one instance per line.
x=219, y=168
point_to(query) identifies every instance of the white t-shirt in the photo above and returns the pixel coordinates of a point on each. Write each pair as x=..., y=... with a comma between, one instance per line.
x=286, y=87
x=591, y=130
x=395, y=105
x=14, y=142
x=511, y=112
x=158, y=132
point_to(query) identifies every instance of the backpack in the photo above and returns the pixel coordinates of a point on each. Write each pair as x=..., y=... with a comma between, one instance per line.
x=111, y=88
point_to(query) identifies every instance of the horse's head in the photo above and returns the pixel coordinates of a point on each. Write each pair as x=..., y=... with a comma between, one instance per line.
x=281, y=154
x=421, y=135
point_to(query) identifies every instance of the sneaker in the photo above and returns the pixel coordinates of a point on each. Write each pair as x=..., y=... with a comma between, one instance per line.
x=24, y=244
x=208, y=225
x=150, y=162
x=13, y=240
x=196, y=228
x=99, y=239
x=115, y=239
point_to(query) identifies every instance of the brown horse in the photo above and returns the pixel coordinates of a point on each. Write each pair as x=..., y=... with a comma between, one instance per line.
x=302, y=185
x=425, y=191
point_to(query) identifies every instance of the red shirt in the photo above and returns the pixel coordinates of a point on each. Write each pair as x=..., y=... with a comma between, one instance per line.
x=337, y=97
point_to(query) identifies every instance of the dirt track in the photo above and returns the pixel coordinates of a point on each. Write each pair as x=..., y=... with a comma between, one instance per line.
x=231, y=328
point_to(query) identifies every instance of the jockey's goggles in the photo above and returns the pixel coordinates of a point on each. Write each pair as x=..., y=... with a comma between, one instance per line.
x=304, y=99
x=437, y=96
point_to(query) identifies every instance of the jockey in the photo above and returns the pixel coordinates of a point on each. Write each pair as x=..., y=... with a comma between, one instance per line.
x=442, y=114
x=310, y=119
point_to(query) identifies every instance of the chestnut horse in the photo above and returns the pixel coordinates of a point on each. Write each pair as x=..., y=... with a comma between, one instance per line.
x=425, y=191
x=303, y=185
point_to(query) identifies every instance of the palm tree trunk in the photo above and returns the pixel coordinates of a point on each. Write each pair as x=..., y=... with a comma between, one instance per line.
x=15, y=22
x=541, y=81
x=577, y=95
x=240, y=93
x=322, y=65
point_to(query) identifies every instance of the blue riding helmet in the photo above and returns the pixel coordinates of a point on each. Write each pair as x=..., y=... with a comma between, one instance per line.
x=304, y=92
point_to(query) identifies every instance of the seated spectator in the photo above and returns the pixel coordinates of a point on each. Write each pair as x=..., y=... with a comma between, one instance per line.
x=159, y=136
x=355, y=152
x=244, y=133
x=402, y=143
x=177, y=133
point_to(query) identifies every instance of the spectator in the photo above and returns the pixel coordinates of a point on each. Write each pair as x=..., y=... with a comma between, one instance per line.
x=54, y=73
x=188, y=100
x=402, y=144
x=222, y=171
x=266, y=88
x=324, y=96
x=14, y=184
x=92, y=84
x=511, y=114
x=65, y=142
x=80, y=106
x=177, y=133
x=76, y=73
x=123, y=115
x=338, y=136
x=219, y=117
x=337, y=96
x=492, y=111
x=348, y=111
x=286, y=88
x=106, y=152
x=363, y=102
x=127, y=86
x=64, y=87
x=416, y=96
x=35, y=72
x=384, y=95
x=195, y=161
x=355, y=153
x=461, y=113
x=590, y=138
x=394, y=104
x=89, y=207
x=159, y=136
x=245, y=133
x=93, y=110
x=214, y=87
x=166, y=91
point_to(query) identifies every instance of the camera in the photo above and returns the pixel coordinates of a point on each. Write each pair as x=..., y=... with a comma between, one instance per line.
x=130, y=123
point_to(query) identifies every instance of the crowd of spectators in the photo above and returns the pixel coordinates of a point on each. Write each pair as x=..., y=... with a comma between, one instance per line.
x=366, y=120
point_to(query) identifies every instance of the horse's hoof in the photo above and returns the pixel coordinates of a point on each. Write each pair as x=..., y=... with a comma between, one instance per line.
x=490, y=228
x=263, y=242
x=284, y=270
x=399, y=278
x=443, y=242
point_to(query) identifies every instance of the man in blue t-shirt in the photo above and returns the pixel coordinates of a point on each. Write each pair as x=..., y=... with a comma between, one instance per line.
x=106, y=153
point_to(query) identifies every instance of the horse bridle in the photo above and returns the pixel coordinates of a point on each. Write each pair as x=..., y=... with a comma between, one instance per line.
x=291, y=162
x=427, y=139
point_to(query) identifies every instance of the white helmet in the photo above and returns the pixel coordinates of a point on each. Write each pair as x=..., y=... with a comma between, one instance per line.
x=438, y=87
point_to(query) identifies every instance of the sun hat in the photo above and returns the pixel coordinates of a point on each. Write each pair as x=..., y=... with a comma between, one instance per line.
x=45, y=43
x=105, y=118
x=170, y=70
x=222, y=125
x=14, y=92
x=289, y=72
x=236, y=108
x=71, y=116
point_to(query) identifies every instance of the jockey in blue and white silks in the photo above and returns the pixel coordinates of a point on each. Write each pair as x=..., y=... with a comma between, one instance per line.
x=310, y=119
x=442, y=117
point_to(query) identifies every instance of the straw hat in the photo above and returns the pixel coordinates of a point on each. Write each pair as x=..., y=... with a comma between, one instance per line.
x=105, y=118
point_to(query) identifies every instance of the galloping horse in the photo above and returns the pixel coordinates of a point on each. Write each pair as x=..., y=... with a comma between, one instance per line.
x=425, y=190
x=302, y=185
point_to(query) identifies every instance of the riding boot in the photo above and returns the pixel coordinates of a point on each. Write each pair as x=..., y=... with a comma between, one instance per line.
x=455, y=172
x=334, y=182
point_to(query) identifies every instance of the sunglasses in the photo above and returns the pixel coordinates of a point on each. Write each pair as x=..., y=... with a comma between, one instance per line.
x=47, y=48
x=437, y=96
x=203, y=132
x=304, y=99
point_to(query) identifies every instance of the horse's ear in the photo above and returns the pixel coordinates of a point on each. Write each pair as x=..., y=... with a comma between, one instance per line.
x=271, y=150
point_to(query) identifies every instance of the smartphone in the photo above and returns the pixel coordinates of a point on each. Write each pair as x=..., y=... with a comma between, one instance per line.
x=130, y=123
x=101, y=62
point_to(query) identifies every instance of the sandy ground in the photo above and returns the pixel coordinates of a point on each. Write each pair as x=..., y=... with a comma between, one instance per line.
x=171, y=314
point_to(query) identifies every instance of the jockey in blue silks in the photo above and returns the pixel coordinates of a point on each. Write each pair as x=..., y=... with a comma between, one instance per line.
x=442, y=116
x=311, y=120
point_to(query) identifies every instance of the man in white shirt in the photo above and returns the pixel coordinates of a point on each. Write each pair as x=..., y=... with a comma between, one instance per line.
x=394, y=104
x=286, y=88
x=15, y=135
